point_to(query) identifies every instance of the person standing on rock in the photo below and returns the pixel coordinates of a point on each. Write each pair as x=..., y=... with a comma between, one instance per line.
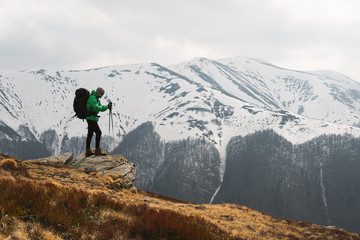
x=94, y=106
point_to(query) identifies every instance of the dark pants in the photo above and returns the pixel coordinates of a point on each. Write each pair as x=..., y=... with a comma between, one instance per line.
x=93, y=127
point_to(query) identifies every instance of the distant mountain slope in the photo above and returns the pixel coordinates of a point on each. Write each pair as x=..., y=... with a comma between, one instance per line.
x=323, y=95
x=317, y=181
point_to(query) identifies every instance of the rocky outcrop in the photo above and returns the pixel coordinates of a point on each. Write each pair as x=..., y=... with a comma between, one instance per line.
x=114, y=165
x=64, y=158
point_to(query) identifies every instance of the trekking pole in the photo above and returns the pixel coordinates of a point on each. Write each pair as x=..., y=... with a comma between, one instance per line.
x=110, y=113
x=111, y=122
x=112, y=126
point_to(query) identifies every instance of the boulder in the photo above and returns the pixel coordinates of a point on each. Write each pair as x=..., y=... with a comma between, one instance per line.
x=64, y=158
x=107, y=165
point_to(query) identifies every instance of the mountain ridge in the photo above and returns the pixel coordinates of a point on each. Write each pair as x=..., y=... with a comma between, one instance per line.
x=157, y=72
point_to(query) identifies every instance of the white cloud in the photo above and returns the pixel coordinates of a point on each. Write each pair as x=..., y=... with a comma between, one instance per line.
x=300, y=34
x=184, y=49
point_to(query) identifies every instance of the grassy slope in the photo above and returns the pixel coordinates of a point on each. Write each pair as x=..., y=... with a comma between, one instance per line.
x=49, y=201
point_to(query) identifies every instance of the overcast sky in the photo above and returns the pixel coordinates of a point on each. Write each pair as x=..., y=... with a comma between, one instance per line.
x=81, y=34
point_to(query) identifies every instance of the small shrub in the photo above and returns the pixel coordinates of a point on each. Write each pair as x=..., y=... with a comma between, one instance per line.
x=12, y=166
x=9, y=164
x=114, y=182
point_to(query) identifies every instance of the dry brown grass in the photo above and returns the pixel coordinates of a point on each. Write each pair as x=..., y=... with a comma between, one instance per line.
x=57, y=202
x=114, y=181
x=14, y=166
x=21, y=230
x=75, y=213
x=8, y=164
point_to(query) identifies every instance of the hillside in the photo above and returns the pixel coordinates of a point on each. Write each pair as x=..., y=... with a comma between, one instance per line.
x=48, y=200
x=239, y=131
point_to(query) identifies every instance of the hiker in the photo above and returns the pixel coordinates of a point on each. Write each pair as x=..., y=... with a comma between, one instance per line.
x=94, y=106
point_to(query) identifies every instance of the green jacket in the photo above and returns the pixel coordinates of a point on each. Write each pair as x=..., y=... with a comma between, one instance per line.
x=93, y=105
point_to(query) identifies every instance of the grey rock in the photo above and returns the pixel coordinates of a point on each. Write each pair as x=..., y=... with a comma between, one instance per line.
x=64, y=158
x=108, y=164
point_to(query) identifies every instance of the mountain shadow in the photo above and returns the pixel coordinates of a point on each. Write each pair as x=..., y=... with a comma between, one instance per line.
x=187, y=169
x=21, y=144
x=317, y=181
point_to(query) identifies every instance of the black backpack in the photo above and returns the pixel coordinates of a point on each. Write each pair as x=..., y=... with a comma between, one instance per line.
x=80, y=100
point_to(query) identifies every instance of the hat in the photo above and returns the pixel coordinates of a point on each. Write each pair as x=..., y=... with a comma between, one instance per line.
x=100, y=91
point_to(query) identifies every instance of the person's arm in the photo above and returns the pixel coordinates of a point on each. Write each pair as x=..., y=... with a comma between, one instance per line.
x=102, y=108
x=95, y=105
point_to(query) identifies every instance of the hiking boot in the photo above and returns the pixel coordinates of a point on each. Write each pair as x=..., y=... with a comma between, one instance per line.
x=88, y=153
x=99, y=152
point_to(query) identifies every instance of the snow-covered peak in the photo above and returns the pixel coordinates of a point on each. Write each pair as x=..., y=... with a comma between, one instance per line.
x=330, y=74
x=211, y=99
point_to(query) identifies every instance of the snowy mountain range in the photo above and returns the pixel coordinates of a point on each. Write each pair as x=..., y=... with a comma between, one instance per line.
x=212, y=99
x=182, y=118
